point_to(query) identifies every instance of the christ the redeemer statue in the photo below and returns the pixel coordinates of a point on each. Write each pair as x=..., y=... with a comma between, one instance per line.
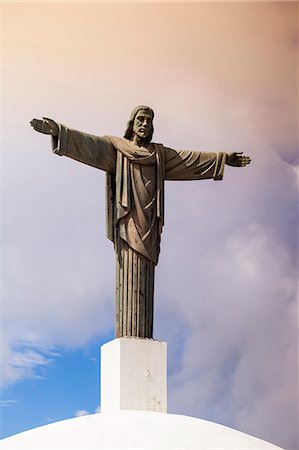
x=136, y=171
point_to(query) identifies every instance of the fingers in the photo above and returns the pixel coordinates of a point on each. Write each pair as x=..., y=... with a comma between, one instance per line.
x=34, y=122
x=244, y=160
x=236, y=159
x=42, y=126
x=37, y=124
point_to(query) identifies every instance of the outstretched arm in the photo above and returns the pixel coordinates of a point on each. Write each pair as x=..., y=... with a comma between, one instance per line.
x=93, y=150
x=192, y=165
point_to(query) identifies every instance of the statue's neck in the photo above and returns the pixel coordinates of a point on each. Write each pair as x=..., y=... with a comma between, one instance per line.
x=140, y=142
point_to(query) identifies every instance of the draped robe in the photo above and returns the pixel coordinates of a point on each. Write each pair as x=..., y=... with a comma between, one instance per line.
x=135, y=210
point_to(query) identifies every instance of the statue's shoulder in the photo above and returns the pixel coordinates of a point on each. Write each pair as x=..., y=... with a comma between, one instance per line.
x=157, y=146
x=115, y=140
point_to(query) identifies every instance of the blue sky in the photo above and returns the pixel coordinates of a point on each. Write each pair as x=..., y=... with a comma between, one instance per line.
x=220, y=76
x=64, y=378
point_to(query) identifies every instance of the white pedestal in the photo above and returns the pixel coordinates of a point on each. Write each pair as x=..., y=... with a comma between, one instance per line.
x=134, y=375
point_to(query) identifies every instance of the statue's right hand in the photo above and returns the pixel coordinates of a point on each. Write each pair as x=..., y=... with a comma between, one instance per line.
x=45, y=126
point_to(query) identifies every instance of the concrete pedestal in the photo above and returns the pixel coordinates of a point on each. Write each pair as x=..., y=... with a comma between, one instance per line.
x=134, y=375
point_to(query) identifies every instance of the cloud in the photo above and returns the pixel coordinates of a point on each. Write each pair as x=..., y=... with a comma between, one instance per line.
x=81, y=412
x=295, y=169
x=244, y=323
x=50, y=419
x=7, y=403
x=23, y=360
x=58, y=278
x=231, y=291
x=84, y=412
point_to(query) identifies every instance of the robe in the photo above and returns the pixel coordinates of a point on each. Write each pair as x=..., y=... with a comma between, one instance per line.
x=135, y=210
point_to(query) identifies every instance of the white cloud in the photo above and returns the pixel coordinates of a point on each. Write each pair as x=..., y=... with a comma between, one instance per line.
x=23, y=361
x=58, y=278
x=81, y=412
x=295, y=169
x=84, y=412
x=7, y=403
x=50, y=419
x=231, y=290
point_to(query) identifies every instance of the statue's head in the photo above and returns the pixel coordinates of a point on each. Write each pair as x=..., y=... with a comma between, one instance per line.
x=141, y=123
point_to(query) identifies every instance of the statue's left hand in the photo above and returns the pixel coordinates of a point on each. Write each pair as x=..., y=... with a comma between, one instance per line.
x=236, y=159
x=45, y=126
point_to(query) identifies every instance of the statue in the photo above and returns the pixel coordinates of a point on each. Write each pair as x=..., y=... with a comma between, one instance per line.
x=136, y=170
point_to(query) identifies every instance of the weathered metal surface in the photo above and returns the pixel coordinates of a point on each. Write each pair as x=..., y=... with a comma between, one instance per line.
x=136, y=172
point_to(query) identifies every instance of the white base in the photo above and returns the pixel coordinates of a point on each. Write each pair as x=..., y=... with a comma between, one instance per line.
x=134, y=375
x=134, y=430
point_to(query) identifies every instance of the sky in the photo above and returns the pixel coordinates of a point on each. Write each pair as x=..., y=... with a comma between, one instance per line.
x=220, y=77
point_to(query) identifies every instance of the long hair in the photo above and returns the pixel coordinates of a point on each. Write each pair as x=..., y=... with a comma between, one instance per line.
x=129, y=130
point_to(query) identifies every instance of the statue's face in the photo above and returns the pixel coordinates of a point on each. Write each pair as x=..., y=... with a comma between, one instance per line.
x=142, y=124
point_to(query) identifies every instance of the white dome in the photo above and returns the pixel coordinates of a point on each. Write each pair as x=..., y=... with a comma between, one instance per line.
x=134, y=430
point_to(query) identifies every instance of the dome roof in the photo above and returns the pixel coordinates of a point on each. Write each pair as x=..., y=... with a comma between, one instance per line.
x=134, y=430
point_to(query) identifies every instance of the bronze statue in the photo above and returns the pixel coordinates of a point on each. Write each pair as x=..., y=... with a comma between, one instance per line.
x=136, y=170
